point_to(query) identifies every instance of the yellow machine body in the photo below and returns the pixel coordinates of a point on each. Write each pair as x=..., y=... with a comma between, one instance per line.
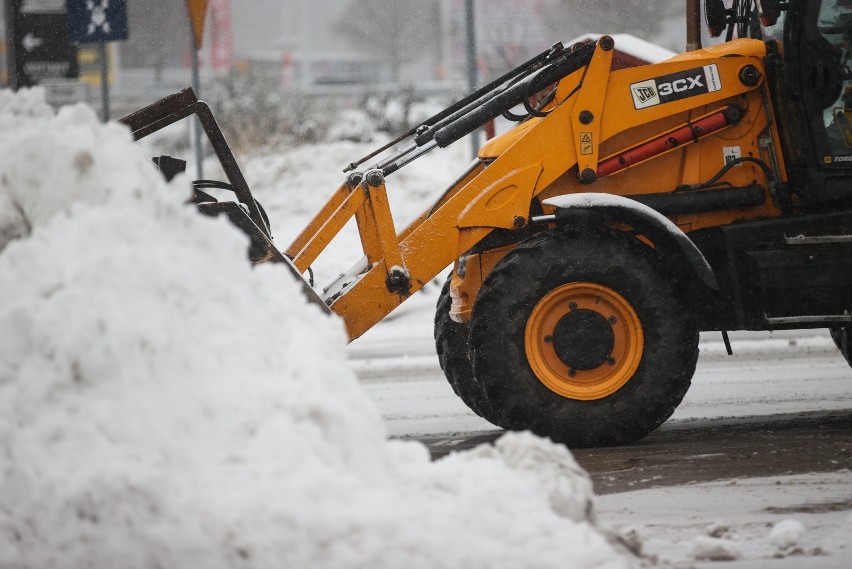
x=542, y=158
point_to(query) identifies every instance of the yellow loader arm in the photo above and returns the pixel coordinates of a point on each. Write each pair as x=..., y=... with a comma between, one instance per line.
x=598, y=125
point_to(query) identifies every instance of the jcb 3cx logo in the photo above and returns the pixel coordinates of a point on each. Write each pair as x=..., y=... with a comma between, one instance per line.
x=676, y=86
x=643, y=94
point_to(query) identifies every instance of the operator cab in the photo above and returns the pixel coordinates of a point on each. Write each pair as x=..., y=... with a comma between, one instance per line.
x=812, y=89
x=810, y=75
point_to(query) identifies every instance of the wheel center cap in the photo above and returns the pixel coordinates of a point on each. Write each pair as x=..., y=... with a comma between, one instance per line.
x=583, y=339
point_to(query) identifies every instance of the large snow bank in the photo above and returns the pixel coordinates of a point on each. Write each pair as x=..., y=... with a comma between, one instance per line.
x=164, y=405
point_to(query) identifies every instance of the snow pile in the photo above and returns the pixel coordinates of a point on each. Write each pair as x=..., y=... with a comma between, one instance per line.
x=708, y=548
x=786, y=533
x=164, y=405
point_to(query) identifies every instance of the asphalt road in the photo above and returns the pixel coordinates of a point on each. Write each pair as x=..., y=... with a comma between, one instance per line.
x=780, y=406
x=707, y=450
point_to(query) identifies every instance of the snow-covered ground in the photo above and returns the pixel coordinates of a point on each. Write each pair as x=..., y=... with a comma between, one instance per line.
x=782, y=522
x=164, y=405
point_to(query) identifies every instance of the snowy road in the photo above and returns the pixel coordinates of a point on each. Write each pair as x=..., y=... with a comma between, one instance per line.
x=762, y=436
x=768, y=376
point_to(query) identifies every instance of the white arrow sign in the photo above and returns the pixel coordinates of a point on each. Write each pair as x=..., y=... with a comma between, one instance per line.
x=30, y=42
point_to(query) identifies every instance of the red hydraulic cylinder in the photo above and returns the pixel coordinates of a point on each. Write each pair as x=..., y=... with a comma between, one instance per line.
x=692, y=132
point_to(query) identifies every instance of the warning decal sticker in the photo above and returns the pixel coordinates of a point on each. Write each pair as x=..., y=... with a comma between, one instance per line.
x=675, y=86
x=586, y=143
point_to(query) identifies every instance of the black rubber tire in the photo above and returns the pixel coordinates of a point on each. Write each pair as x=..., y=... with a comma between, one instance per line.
x=843, y=340
x=519, y=401
x=451, y=343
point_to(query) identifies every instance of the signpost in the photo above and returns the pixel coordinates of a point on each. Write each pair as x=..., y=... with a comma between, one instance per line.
x=98, y=22
x=39, y=47
x=197, y=10
x=472, y=79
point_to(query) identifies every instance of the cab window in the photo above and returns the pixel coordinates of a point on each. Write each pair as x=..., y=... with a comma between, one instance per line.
x=833, y=79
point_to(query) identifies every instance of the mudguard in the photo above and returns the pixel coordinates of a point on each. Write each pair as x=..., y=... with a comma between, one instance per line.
x=657, y=227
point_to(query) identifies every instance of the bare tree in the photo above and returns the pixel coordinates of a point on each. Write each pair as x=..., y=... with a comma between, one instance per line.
x=395, y=30
x=510, y=32
x=642, y=18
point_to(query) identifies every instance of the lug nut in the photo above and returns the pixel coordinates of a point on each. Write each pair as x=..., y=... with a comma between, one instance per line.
x=613, y=320
x=572, y=372
x=548, y=339
x=610, y=360
x=572, y=305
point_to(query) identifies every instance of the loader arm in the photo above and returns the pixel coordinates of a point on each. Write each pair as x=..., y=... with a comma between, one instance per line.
x=592, y=105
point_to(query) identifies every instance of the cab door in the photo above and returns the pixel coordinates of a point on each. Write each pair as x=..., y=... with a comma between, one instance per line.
x=818, y=42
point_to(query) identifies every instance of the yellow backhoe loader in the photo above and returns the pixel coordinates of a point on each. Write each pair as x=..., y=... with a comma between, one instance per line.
x=624, y=213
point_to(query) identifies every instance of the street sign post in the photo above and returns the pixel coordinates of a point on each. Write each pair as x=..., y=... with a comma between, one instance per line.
x=39, y=47
x=98, y=22
x=197, y=11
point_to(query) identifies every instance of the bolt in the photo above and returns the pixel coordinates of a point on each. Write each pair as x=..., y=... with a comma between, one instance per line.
x=733, y=113
x=613, y=320
x=375, y=178
x=548, y=339
x=749, y=75
x=588, y=176
x=586, y=117
x=572, y=305
x=398, y=281
x=572, y=372
x=610, y=360
x=519, y=221
x=606, y=43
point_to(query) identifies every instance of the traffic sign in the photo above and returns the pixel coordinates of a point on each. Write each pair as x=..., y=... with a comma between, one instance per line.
x=39, y=46
x=58, y=92
x=97, y=21
x=197, y=13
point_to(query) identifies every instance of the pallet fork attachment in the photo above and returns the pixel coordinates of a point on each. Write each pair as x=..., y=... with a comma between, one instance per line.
x=246, y=212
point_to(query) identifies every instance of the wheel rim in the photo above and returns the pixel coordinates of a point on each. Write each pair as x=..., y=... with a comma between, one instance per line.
x=584, y=341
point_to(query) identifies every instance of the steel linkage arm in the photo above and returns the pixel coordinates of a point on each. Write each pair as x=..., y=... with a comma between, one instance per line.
x=491, y=101
x=179, y=106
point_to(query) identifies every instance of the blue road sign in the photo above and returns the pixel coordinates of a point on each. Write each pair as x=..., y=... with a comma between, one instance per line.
x=97, y=21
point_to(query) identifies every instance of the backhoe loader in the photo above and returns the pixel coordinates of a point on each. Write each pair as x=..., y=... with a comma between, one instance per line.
x=625, y=212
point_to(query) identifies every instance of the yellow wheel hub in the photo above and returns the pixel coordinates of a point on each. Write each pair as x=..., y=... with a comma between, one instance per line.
x=584, y=341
